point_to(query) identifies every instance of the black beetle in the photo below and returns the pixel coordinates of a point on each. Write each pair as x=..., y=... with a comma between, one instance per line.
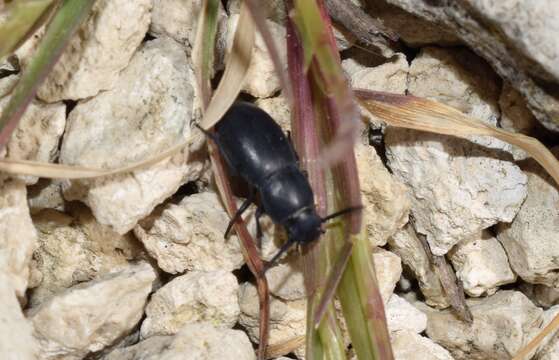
x=255, y=148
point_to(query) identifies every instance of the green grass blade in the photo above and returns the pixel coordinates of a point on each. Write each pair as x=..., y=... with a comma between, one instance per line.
x=335, y=108
x=361, y=269
x=22, y=18
x=203, y=53
x=348, y=294
x=64, y=22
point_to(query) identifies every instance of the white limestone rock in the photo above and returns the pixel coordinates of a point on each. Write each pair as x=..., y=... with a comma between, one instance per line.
x=7, y=84
x=531, y=240
x=91, y=316
x=388, y=269
x=261, y=80
x=195, y=297
x=518, y=38
x=275, y=10
x=286, y=279
x=537, y=40
x=411, y=29
x=145, y=114
x=502, y=324
x=178, y=19
x=278, y=108
x=403, y=316
x=18, y=237
x=391, y=77
x=38, y=132
x=99, y=50
x=407, y=345
x=16, y=340
x=549, y=346
x=385, y=199
x=76, y=249
x=198, y=341
x=481, y=264
x=458, y=187
x=287, y=318
x=45, y=194
x=406, y=245
x=546, y=296
x=515, y=116
x=189, y=236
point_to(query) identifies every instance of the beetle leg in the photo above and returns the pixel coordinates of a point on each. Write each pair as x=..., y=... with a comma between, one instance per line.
x=257, y=216
x=239, y=213
x=276, y=257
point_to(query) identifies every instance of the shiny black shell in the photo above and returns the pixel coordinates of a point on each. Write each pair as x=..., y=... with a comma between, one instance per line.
x=255, y=148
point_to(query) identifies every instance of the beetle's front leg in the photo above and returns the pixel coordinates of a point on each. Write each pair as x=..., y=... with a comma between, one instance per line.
x=240, y=212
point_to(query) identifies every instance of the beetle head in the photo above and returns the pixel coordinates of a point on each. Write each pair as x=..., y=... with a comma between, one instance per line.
x=304, y=227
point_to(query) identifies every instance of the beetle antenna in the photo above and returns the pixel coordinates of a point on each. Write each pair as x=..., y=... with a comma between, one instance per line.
x=281, y=251
x=341, y=212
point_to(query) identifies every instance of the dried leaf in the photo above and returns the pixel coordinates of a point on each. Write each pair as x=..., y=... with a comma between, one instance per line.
x=421, y=114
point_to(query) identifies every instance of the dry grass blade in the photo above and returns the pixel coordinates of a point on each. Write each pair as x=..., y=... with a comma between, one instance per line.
x=284, y=347
x=236, y=69
x=225, y=95
x=59, y=171
x=426, y=115
x=525, y=352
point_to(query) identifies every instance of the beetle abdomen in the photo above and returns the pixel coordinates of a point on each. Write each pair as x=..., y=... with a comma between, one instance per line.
x=253, y=144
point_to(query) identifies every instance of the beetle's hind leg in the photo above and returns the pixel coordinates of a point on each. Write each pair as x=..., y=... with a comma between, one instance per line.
x=239, y=213
x=257, y=215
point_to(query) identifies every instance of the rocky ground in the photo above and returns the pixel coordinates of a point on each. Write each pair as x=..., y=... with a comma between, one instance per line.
x=135, y=266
